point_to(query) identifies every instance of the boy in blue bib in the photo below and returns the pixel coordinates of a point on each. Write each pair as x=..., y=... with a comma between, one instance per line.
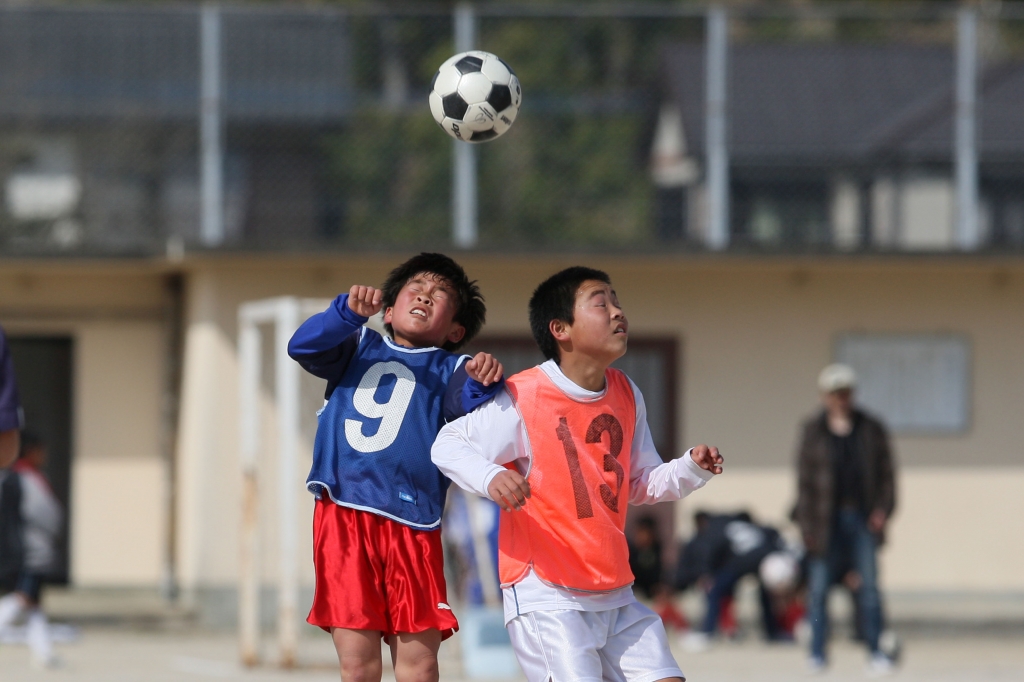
x=376, y=526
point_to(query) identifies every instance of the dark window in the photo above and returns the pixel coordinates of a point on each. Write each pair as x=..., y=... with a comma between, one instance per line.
x=1005, y=199
x=43, y=367
x=781, y=213
x=670, y=205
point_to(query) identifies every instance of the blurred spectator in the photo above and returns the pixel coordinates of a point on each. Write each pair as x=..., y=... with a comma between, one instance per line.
x=846, y=576
x=42, y=520
x=781, y=577
x=10, y=407
x=645, y=561
x=645, y=557
x=726, y=548
x=846, y=494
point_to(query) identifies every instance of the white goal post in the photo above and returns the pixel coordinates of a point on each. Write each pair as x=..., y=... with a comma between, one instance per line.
x=283, y=315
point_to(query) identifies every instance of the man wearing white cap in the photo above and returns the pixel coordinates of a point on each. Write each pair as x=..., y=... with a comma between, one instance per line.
x=846, y=494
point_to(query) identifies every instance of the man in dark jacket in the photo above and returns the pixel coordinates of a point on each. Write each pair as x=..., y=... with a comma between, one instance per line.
x=846, y=495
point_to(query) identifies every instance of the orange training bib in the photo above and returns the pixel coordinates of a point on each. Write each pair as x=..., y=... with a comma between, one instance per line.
x=572, y=528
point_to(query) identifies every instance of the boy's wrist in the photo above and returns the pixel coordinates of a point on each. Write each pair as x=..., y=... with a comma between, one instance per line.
x=478, y=388
x=489, y=476
x=695, y=468
x=475, y=394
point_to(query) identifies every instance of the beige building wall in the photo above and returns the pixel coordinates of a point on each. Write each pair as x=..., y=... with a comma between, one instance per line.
x=118, y=510
x=753, y=334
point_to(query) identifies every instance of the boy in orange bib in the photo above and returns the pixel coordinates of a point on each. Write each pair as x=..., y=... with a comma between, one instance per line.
x=564, y=450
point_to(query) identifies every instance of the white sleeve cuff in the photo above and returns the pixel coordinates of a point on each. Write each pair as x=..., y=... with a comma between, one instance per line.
x=693, y=469
x=489, y=476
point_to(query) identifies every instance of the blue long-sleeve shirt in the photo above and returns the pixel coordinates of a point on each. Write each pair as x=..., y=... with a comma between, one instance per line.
x=10, y=406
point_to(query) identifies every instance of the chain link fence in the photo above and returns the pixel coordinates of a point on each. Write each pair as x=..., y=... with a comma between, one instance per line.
x=144, y=129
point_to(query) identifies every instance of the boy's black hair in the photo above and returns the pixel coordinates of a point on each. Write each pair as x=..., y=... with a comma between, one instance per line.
x=554, y=299
x=469, y=306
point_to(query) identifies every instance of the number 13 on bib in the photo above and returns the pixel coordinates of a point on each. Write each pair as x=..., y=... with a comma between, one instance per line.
x=572, y=530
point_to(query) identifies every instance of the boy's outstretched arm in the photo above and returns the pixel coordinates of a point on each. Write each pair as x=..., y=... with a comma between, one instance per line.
x=325, y=343
x=653, y=480
x=476, y=381
x=472, y=450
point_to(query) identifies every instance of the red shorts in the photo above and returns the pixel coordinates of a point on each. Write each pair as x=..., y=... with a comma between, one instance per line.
x=373, y=573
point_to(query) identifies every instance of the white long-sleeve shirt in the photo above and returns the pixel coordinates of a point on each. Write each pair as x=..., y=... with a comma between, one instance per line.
x=42, y=519
x=473, y=449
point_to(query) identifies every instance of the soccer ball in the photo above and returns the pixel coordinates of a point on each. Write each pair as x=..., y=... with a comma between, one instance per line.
x=475, y=96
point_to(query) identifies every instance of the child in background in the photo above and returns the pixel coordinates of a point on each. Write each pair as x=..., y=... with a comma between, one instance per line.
x=645, y=561
x=42, y=520
x=645, y=557
x=563, y=451
x=376, y=526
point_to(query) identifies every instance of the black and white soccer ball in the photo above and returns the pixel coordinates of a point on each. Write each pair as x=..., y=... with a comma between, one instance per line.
x=475, y=96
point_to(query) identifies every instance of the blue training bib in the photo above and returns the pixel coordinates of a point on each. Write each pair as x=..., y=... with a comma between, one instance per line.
x=372, y=448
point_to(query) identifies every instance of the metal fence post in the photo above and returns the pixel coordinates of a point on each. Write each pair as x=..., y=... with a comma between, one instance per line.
x=211, y=171
x=464, y=176
x=716, y=125
x=966, y=134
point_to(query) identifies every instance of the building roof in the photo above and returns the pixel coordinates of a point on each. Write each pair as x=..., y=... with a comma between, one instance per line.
x=829, y=103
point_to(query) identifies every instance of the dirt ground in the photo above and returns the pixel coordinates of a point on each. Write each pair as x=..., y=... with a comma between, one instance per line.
x=118, y=654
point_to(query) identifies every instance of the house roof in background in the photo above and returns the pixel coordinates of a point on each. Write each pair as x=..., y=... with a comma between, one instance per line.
x=809, y=104
x=66, y=62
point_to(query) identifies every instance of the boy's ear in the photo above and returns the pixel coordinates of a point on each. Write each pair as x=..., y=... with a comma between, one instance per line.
x=456, y=333
x=559, y=329
x=387, y=315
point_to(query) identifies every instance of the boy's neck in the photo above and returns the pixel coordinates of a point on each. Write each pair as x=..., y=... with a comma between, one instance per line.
x=406, y=343
x=584, y=371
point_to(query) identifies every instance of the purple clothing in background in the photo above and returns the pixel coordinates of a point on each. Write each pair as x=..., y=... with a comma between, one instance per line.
x=10, y=406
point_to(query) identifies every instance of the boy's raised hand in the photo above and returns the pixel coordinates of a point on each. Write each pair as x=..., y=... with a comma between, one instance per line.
x=364, y=301
x=485, y=368
x=707, y=458
x=509, y=489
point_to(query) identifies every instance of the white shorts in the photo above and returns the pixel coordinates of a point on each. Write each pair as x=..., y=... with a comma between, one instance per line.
x=627, y=644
